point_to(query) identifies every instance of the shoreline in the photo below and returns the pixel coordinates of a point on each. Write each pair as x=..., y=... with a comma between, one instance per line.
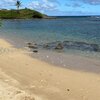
x=42, y=80
x=63, y=60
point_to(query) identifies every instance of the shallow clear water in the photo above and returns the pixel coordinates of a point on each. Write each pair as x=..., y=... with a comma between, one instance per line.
x=41, y=31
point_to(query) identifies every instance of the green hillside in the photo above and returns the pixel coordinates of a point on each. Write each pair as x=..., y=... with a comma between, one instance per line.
x=20, y=14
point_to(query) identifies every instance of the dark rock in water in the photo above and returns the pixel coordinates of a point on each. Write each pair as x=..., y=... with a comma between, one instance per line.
x=30, y=46
x=95, y=47
x=35, y=51
x=46, y=46
x=33, y=46
x=51, y=45
x=59, y=46
x=29, y=43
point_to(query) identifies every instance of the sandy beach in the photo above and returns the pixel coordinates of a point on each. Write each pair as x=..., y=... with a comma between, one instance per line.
x=26, y=78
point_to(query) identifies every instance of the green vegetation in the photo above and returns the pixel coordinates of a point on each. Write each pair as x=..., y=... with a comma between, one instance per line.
x=20, y=13
x=23, y=14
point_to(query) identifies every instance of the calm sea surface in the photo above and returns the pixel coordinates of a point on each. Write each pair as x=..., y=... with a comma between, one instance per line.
x=79, y=35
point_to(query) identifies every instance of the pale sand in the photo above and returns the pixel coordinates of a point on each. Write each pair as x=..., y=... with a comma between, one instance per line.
x=25, y=78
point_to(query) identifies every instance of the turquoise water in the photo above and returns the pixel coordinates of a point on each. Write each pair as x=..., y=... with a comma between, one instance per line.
x=80, y=30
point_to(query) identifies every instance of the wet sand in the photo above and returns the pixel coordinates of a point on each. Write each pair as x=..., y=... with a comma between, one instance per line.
x=27, y=78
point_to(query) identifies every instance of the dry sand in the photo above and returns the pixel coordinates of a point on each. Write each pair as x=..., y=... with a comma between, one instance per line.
x=25, y=78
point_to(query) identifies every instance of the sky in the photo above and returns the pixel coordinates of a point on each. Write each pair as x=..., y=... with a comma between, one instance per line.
x=57, y=7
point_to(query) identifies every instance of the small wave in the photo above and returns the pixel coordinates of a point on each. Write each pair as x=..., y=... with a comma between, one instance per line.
x=73, y=45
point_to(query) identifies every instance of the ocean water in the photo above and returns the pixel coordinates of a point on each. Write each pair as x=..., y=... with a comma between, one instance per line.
x=79, y=35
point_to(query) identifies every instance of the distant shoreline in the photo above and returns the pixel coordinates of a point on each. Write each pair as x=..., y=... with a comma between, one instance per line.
x=53, y=17
x=20, y=14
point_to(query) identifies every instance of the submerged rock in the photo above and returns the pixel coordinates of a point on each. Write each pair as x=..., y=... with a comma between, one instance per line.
x=46, y=46
x=59, y=46
x=95, y=47
x=32, y=46
x=29, y=43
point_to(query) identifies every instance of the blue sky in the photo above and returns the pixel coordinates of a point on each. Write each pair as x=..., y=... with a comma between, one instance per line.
x=57, y=7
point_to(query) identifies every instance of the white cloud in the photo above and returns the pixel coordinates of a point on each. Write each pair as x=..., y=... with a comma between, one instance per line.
x=5, y=3
x=93, y=2
x=43, y=5
x=74, y=5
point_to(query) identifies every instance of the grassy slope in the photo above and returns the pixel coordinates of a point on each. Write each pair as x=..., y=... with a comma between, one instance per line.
x=23, y=14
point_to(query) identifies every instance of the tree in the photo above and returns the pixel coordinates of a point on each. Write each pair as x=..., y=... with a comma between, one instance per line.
x=18, y=4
